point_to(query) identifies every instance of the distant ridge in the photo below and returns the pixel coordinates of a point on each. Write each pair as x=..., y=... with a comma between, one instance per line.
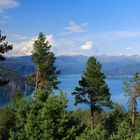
x=75, y=64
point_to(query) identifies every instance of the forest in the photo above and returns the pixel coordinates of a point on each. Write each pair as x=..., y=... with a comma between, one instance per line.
x=45, y=116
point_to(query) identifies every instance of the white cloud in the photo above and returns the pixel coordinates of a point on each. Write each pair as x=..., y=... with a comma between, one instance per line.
x=128, y=48
x=74, y=28
x=26, y=47
x=8, y=4
x=87, y=45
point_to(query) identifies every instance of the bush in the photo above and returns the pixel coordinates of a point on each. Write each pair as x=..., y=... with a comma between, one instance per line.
x=7, y=118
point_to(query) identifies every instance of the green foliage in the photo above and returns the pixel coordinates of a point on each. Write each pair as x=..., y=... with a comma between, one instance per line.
x=41, y=96
x=46, y=73
x=133, y=86
x=4, y=47
x=137, y=128
x=132, y=89
x=137, y=136
x=57, y=123
x=124, y=132
x=93, y=89
x=111, y=119
x=49, y=120
x=82, y=115
x=22, y=109
x=99, y=133
x=7, y=118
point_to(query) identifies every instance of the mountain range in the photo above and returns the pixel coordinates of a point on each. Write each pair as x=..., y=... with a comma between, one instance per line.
x=111, y=65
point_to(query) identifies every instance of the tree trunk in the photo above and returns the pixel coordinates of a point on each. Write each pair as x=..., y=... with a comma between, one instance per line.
x=133, y=118
x=37, y=80
x=93, y=125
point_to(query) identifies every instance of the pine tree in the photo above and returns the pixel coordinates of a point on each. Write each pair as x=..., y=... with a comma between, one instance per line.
x=132, y=89
x=51, y=122
x=4, y=47
x=93, y=89
x=46, y=73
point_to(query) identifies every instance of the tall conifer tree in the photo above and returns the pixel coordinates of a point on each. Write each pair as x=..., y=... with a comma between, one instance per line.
x=93, y=89
x=46, y=73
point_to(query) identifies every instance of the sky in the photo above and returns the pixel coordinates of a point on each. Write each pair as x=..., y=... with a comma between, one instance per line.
x=73, y=27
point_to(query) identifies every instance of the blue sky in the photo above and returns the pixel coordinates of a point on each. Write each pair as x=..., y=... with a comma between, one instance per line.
x=73, y=27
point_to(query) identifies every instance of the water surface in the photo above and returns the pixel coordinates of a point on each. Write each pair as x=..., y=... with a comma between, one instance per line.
x=69, y=82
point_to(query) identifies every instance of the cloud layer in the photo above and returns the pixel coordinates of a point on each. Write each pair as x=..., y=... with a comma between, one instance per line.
x=109, y=43
x=8, y=4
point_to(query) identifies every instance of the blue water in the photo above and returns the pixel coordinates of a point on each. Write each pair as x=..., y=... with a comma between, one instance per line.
x=69, y=82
